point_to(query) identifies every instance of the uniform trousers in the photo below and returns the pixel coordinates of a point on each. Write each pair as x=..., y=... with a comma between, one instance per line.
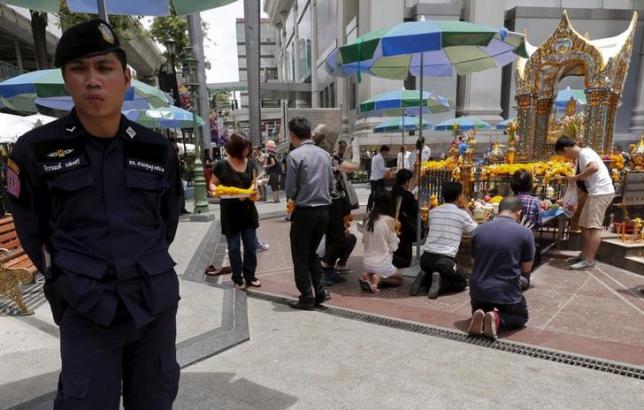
x=97, y=359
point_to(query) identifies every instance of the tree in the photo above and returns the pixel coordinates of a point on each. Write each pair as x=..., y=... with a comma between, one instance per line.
x=39, y=34
x=176, y=28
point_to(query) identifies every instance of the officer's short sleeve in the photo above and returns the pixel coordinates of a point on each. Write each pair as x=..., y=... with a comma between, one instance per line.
x=171, y=201
x=28, y=201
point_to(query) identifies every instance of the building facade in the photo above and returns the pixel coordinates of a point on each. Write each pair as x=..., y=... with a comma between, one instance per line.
x=267, y=64
x=308, y=30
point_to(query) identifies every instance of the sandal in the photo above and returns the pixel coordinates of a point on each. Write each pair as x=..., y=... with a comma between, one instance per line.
x=254, y=284
x=364, y=284
x=213, y=271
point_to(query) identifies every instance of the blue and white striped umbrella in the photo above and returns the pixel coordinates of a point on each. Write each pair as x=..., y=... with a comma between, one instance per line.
x=464, y=124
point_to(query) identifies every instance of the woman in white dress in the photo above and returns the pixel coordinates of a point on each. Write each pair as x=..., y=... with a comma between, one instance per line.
x=380, y=242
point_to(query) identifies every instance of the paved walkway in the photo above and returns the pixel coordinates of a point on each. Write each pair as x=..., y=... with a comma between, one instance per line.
x=598, y=313
x=314, y=360
x=311, y=360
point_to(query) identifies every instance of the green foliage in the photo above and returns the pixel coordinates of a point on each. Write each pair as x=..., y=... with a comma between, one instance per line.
x=176, y=28
x=126, y=27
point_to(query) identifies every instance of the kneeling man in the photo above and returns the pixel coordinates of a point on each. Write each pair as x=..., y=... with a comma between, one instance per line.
x=501, y=249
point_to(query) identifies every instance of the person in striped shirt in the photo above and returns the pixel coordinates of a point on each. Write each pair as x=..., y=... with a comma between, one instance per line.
x=447, y=223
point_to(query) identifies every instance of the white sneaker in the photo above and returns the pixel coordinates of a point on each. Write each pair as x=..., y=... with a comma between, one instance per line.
x=262, y=247
x=582, y=265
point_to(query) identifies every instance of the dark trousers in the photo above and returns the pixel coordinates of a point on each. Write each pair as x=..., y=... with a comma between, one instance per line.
x=403, y=255
x=451, y=279
x=375, y=187
x=350, y=241
x=512, y=316
x=307, y=228
x=95, y=360
x=334, y=242
x=248, y=266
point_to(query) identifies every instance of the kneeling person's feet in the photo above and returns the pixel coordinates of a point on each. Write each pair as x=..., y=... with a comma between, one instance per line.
x=418, y=283
x=435, y=288
x=476, y=323
x=491, y=323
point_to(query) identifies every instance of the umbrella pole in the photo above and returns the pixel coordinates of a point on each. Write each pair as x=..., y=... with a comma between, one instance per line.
x=419, y=159
x=102, y=10
x=403, y=133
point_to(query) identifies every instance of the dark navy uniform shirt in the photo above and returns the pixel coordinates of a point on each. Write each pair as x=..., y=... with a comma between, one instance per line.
x=105, y=210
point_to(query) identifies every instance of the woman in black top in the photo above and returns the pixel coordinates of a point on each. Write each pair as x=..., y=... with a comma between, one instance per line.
x=407, y=207
x=239, y=220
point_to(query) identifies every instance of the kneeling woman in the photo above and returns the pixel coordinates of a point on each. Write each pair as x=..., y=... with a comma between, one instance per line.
x=380, y=243
x=239, y=219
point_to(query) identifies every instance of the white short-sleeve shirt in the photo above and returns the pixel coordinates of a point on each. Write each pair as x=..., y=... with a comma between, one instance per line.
x=599, y=183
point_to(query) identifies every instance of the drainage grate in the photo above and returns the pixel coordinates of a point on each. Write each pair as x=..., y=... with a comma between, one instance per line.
x=531, y=351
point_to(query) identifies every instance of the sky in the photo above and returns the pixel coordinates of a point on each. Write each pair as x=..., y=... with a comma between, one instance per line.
x=221, y=47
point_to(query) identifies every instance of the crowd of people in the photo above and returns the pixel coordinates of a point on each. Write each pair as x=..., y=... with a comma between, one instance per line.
x=503, y=250
x=96, y=201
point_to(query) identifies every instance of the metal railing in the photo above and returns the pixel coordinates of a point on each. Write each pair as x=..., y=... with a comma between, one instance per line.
x=8, y=71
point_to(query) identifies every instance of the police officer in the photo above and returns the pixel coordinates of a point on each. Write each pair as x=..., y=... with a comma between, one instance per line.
x=96, y=201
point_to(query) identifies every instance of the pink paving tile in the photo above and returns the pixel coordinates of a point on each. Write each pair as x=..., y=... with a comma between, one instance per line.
x=573, y=311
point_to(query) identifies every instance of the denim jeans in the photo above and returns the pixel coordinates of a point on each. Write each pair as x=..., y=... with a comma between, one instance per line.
x=249, y=238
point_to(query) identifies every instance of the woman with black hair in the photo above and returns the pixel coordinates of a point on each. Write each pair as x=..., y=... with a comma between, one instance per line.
x=239, y=219
x=406, y=211
x=380, y=243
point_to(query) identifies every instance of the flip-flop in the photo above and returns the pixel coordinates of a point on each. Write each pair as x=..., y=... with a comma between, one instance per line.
x=212, y=271
x=364, y=284
x=373, y=288
x=254, y=284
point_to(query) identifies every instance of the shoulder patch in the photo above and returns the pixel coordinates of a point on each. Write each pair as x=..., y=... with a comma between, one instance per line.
x=13, y=182
x=13, y=166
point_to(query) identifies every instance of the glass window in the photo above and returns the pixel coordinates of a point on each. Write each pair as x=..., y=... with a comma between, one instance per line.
x=327, y=24
x=304, y=31
x=332, y=95
x=289, y=24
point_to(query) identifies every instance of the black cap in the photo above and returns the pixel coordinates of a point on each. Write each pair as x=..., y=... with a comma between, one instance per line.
x=86, y=39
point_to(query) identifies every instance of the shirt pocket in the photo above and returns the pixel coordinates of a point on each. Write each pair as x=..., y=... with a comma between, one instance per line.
x=73, y=197
x=144, y=197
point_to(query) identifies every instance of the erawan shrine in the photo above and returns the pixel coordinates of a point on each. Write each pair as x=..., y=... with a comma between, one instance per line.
x=603, y=64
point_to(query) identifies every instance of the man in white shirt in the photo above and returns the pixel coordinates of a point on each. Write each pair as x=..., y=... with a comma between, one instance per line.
x=378, y=171
x=404, y=159
x=593, y=177
x=447, y=224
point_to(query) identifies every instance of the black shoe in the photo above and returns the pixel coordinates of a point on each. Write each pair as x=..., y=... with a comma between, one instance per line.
x=333, y=278
x=323, y=296
x=185, y=212
x=302, y=305
x=436, y=286
x=414, y=289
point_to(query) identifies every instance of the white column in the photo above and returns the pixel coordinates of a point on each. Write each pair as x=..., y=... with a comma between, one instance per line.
x=637, y=119
x=315, y=100
x=480, y=95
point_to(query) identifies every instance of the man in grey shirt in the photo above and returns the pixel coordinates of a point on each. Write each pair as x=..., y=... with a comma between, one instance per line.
x=309, y=183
